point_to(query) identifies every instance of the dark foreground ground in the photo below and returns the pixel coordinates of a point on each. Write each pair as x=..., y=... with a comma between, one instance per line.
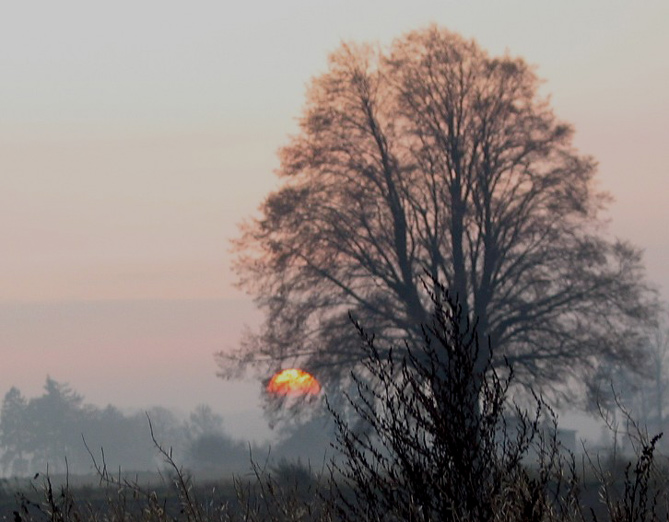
x=292, y=493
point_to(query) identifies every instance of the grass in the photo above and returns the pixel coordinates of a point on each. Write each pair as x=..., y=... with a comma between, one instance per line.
x=629, y=490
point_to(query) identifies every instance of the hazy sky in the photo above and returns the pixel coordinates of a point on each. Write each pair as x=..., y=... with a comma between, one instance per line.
x=135, y=136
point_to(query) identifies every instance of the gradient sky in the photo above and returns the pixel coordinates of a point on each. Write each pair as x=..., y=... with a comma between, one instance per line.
x=135, y=136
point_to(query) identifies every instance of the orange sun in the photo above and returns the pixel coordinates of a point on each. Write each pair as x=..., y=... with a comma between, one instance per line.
x=294, y=382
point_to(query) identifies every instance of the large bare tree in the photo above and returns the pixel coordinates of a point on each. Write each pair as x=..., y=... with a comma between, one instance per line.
x=432, y=159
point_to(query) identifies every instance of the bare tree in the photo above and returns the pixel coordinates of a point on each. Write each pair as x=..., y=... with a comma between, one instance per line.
x=433, y=159
x=645, y=392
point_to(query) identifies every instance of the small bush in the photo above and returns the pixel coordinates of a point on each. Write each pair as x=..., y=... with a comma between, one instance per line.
x=436, y=442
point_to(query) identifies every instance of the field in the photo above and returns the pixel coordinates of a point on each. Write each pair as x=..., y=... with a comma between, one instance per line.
x=292, y=491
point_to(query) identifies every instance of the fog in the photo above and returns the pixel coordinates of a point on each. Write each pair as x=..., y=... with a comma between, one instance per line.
x=135, y=139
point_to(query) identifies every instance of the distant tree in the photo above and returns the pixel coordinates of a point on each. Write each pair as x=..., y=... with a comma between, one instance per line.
x=307, y=440
x=14, y=433
x=659, y=357
x=169, y=431
x=615, y=386
x=436, y=160
x=217, y=452
x=125, y=440
x=210, y=448
x=47, y=430
x=57, y=421
x=203, y=421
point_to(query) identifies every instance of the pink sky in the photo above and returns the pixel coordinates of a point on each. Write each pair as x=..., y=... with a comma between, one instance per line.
x=134, y=137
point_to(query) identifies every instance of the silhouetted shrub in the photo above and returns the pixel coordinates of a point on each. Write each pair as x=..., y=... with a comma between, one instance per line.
x=436, y=441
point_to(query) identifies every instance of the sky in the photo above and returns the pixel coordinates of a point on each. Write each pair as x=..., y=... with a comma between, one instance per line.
x=136, y=136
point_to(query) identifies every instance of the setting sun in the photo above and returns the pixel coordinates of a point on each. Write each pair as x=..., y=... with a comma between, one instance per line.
x=293, y=381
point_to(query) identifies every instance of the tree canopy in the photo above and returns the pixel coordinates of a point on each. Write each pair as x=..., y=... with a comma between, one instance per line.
x=434, y=160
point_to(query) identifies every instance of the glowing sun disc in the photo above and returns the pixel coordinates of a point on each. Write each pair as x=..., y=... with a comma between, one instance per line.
x=293, y=381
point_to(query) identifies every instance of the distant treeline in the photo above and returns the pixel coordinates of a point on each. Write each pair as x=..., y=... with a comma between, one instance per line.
x=55, y=429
